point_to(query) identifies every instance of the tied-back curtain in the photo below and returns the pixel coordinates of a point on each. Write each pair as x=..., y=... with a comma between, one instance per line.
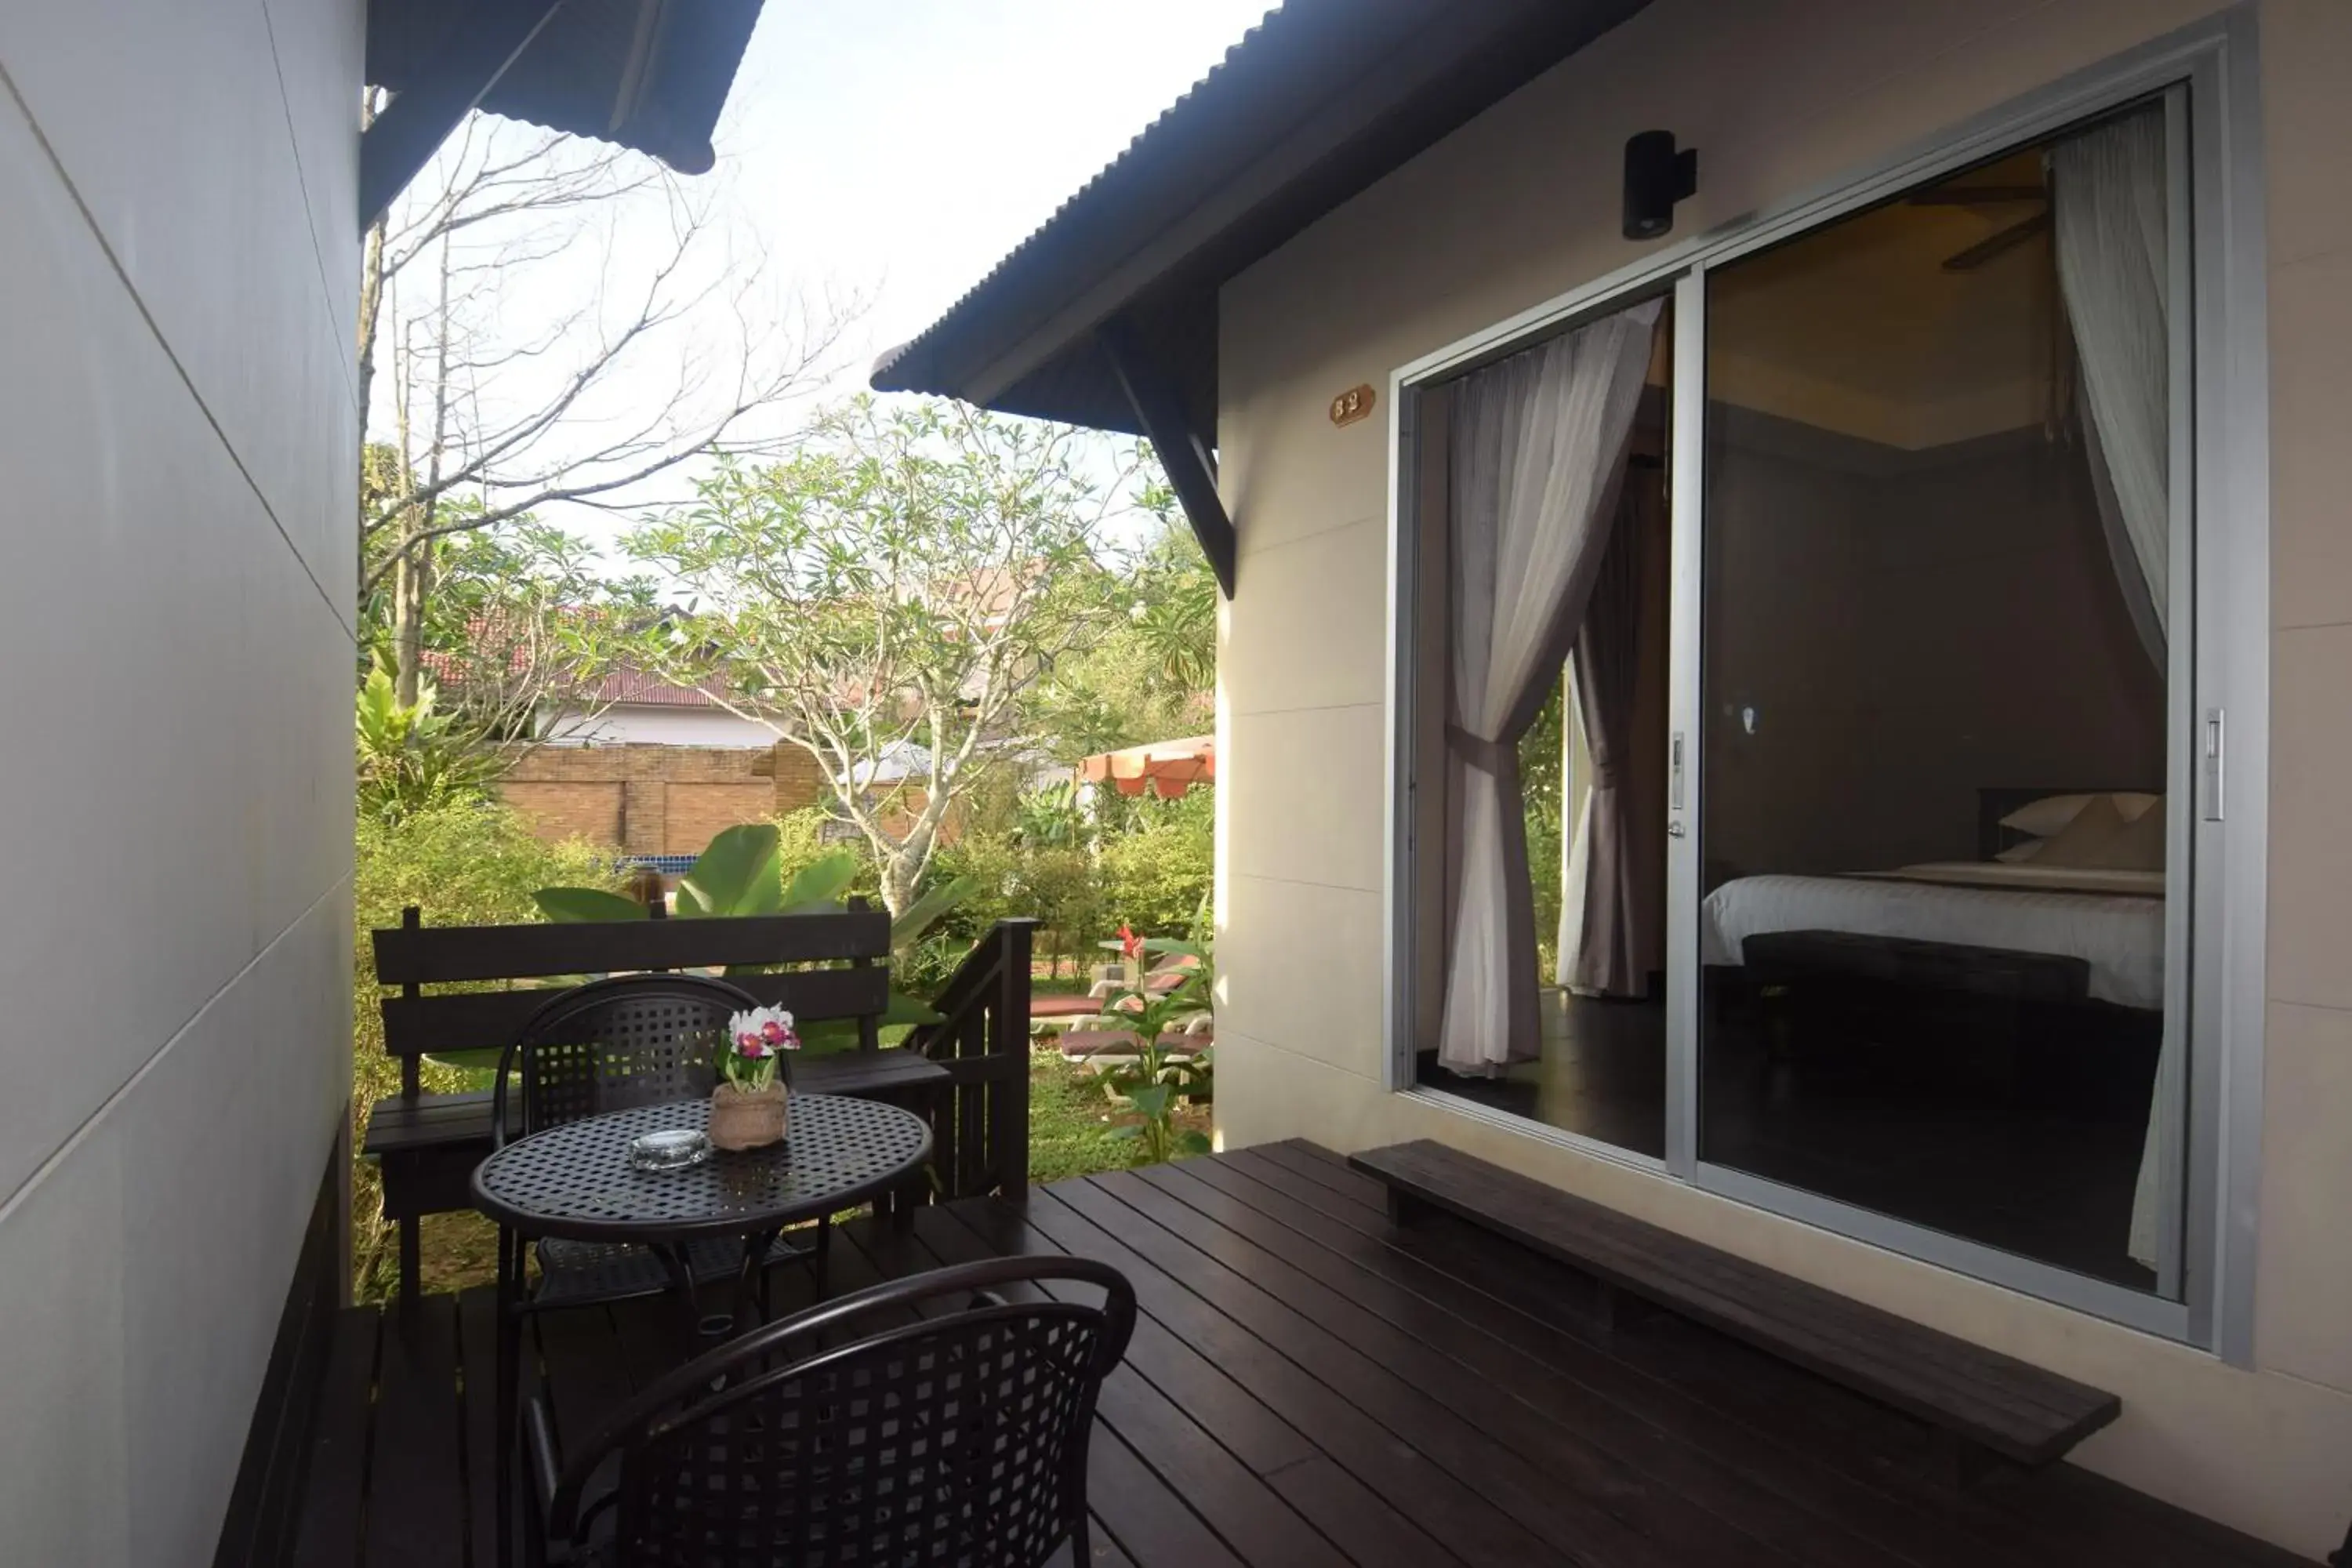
x=1608, y=916
x=2107, y=193
x=1537, y=451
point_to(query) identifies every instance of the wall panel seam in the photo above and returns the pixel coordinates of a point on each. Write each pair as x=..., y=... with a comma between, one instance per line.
x=335, y=330
x=155, y=330
x=1291, y=541
x=81, y=1132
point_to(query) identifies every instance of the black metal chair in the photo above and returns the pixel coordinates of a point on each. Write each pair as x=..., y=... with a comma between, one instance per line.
x=894, y=1426
x=609, y=1045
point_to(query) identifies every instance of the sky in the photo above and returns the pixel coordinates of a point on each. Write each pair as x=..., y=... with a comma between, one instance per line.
x=906, y=146
x=886, y=151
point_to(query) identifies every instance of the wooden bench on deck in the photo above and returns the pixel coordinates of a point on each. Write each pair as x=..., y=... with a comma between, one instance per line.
x=1989, y=1407
x=427, y=1145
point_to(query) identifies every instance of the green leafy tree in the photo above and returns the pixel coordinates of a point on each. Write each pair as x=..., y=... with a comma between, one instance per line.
x=890, y=599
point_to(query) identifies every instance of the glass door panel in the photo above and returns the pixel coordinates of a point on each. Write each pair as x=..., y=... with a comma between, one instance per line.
x=1935, y=726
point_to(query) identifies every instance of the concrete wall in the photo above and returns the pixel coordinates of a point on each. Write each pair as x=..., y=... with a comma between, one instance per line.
x=177, y=428
x=655, y=724
x=1780, y=95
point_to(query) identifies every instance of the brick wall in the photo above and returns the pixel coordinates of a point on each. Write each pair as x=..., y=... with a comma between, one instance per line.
x=656, y=800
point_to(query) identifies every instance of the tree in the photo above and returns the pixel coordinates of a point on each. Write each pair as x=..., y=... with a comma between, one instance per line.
x=1151, y=675
x=544, y=303
x=889, y=598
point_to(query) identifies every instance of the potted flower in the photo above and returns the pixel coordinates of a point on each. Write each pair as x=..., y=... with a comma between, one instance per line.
x=747, y=1109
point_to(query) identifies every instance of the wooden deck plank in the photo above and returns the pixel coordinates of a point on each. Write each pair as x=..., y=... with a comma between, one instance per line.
x=2014, y=1409
x=1932, y=1531
x=1257, y=1436
x=1507, y=1479
x=2066, y=1515
x=1596, y=1398
x=335, y=1490
x=477, y=1359
x=1608, y=1509
x=1308, y=1383
x=1350, y=1514
x=1227, y=1496
x=1444, y=1507
x=416, y=1483
x=1147, y=1520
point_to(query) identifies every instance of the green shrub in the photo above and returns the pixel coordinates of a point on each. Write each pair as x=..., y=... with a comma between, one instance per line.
x=1155, y=877
x=463, y=862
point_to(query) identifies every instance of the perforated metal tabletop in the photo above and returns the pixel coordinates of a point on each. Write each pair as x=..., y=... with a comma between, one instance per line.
x=575, y=1181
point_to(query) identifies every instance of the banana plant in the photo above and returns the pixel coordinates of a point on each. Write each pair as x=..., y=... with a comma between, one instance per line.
x=741, y=872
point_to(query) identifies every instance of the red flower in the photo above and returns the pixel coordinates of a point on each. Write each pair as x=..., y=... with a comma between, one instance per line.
x=773, y=1032
x=1129, y=943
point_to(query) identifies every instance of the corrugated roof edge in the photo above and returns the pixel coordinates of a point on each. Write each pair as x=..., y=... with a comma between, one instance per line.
x=891, y=358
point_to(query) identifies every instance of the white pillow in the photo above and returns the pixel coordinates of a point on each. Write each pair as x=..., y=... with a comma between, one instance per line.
x=2052, y=813
x=2046, y=817
x=2017, y=853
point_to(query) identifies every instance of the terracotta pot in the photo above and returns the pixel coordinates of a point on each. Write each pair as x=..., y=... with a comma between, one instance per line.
x=747, y=1119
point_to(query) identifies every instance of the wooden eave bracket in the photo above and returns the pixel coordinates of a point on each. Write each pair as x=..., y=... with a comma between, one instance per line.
x=1190, y=462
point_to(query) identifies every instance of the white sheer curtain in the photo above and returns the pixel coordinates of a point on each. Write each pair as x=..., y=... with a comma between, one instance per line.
x=2108, y=193
x=1536, y=451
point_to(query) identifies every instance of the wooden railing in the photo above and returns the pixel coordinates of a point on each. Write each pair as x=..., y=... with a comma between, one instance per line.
x=979, y=1128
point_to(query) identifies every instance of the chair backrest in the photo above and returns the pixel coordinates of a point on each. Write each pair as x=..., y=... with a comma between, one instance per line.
x=949, y=1436
x=634, y=1039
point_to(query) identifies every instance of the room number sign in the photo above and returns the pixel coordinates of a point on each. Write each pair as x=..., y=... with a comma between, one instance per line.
x=1351, y=405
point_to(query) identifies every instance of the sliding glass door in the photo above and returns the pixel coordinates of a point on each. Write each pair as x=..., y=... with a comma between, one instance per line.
x=1881, y=692
x=1939, y=714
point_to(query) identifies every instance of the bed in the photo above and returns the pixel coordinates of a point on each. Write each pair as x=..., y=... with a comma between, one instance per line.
x=2113, y=921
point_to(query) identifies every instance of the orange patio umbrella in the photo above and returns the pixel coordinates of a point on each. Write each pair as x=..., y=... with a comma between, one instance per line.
x=1175, y=766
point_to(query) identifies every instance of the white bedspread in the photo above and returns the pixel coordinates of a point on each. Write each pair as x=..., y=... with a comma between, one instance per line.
x=2120, y=936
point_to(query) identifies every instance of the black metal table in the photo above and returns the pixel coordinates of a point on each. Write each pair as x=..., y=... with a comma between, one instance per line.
x=575, y=1181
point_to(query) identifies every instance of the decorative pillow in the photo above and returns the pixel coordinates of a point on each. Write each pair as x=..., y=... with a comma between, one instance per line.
x=2050, y=816
x=2101, y=839
x=2017, y=853
x=2046, y=817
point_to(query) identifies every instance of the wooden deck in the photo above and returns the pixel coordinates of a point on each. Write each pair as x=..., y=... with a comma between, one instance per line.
x=1307, y=1387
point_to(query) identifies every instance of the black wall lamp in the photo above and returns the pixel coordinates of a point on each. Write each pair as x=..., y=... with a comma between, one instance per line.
x=1656, y=177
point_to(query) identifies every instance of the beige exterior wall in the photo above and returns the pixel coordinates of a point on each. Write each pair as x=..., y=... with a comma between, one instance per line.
x=179, y=412
x=1781, y=96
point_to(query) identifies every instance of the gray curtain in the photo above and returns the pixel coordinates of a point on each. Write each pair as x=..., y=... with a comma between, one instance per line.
x=1537, y=451
x=1610, y=933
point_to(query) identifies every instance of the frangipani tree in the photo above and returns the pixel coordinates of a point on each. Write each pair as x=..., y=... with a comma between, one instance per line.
x=888, y=597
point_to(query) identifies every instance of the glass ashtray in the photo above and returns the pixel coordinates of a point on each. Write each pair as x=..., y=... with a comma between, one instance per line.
x=674, y=1149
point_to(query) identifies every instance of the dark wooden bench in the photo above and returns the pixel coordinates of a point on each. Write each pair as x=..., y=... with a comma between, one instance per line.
x=427, y=1145
x=1985, y=1403
x=1782, y=957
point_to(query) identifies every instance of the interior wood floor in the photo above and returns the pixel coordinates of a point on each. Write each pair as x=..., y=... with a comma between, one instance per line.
x=2049, y=1178
x=1308, y=1386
